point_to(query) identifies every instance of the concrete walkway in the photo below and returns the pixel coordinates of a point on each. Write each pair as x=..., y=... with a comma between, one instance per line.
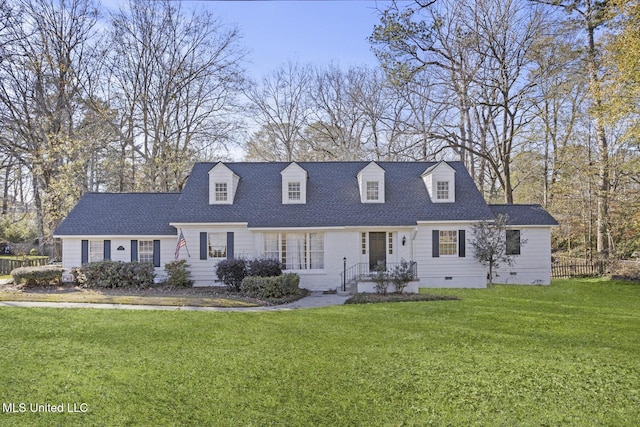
x=314, y=300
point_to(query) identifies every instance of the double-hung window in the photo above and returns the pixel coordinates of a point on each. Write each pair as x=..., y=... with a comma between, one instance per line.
x=96, y=250
x=217, y=245
x=442, y=190
x=448, y=242
x=373, y=190
x=221, y=193
x=145, y=250
x=294, y=191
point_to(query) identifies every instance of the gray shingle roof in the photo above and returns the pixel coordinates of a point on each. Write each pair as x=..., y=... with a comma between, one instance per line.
x=143, y=214
x=525, y=214
x=333, y=198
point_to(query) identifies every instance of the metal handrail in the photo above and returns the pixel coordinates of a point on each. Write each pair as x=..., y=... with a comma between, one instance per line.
x=363, y=270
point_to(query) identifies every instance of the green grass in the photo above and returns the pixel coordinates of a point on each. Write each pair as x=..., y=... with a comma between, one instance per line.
x=568, y=354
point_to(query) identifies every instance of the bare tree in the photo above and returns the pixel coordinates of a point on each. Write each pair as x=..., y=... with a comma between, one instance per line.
x=477, y=57
x=173, y=79
x=280, y=107
x=490, y=244
x=589, y=15
x=45, y=56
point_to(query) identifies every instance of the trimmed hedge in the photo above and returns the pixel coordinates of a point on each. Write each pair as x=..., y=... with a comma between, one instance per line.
x=38, y=276
x=271, y=287
x=114, y=274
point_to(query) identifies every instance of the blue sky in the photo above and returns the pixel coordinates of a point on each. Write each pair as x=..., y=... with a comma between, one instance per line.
x=316, y=32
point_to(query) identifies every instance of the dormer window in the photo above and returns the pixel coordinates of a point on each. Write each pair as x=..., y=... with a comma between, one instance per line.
x=442, y=190
x=373, y=193
x=221, y=191
x=294, y=184
x=371, y=183
x=223, y=183
x=294, y=191
x=440, y=180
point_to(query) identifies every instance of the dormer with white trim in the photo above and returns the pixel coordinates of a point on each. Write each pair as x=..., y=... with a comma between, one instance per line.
x=371, y=183
x=440, y=180
x=223, y=183
x=294, y=185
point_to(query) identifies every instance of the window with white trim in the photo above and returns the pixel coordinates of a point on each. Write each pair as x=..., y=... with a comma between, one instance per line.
x=96, y=250
x=297, y=251
x=217, y=245
x=294, y=191
x=448, y=242
x=145, y=250
x=373, y=192
x=221, y=192
x=442, y=190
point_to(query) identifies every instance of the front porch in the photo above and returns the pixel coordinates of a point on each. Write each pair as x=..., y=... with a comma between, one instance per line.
x=360, y=277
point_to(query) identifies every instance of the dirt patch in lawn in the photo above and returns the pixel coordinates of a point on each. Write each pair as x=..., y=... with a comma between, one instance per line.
x=160, y=295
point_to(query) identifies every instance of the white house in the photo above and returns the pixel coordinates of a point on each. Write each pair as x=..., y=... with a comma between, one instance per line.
x=330, y=222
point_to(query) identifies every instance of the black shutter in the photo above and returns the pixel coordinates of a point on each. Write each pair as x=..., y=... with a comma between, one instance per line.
x=134, y=250
x=230, y=245
x=84, y=258
x=156, y=253
x=435, y=242
x=203, y=245
x=461, y=244
x=107, y=250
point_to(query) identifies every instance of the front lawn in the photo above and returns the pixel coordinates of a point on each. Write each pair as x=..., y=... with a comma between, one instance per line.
x=568, y=354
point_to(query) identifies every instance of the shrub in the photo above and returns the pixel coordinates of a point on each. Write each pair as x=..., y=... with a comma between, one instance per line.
x=271, y=287
x=381, y=278
x=178, y=274
x=231, y=272
x=38, y=276
x=402, y=275
x=113, y=274
x=265, y=267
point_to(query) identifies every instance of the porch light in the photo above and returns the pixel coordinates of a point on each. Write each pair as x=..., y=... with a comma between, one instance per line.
x=404, y=240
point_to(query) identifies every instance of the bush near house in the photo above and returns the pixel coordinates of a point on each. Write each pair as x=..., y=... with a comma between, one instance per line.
x=264, y=267
x=38, y=276
x=271, y=287
x=178, y=274
x=113, y=274
x=233, y=271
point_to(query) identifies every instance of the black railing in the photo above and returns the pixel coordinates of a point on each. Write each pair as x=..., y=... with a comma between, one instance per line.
x=363, y=271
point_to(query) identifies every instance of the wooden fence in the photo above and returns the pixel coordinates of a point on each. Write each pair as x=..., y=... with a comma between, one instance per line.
x=8, y=264
x=577, y=268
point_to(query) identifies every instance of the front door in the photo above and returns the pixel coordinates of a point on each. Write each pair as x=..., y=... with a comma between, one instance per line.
x=377, y=248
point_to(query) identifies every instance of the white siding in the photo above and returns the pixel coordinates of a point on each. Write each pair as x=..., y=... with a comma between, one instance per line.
x=71, y=253
x=72, y=250
x=447, y=271
x=203, y=271
x=533, y=265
